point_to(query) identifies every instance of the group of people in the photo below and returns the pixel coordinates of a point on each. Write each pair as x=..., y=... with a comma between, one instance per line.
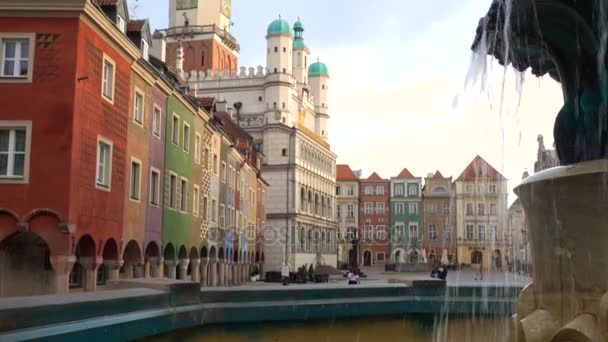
x=352, y=278
x=439, y=272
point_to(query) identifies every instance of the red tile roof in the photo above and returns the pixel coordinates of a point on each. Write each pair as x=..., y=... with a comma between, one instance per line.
x=405, y=173
x=438, y=175
x=375, y=177
x=135, y=25
x=479, y=169
x=107, y=2
x=344, y=173
x=207, y=101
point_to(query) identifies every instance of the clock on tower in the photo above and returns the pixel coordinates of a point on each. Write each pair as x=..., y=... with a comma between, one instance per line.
x=226, y=8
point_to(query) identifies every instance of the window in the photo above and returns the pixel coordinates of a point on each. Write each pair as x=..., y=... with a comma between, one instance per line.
x=284, y=49
x=184, y=193
x=135, y=179
x=431, y=208
x=493, y=211
x=276, y=49
x=138, y=107
x=399, y=231
x=379, y=190
x=154, y=187
x=284, y=152
x=380, y=257
x=413, y=231
x=381, y=233
x=173, y=191
x=493, y=233
x=120, y=22
x=479, y=189
x=481, y=230
x=14, y=150
x=481, y=209
x=369, y=190
x=412, y=189
x=469, y=188
x=222, y=215
x=145, y=49
x=446, y=232
x=215, y=168
x=413, y=208
x=223, y=172
x=379, y=208
x=351, y=191
x=369, y=232
x=205, y=211
x=338, y=211
x=368, y=208
x=338, y=191
x=109, y=73
x=469, y=209
x=213, y=210
x=186, y=137
x=156, y=117
x=104, y=163
x=17, y=57
x=469, y=232
x=197, y=148
x=446, y=208
x=492, y=188
x=432, y=232
x=195, y=194
x=350, y=211
x=398, y=190
x=175, y=130
x=399, y=208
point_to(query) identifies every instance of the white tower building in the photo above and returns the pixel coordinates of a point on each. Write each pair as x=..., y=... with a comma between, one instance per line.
x=280, y=45
x=301, y=54
x=318, y=76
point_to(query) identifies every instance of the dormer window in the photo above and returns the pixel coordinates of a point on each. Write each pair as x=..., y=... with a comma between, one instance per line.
x=120, y=22
x=145, y=49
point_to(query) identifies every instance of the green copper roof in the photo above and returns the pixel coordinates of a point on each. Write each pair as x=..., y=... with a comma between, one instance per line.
x=318, y=69
x=279, y=26
x=298, y=25
x=299, y=44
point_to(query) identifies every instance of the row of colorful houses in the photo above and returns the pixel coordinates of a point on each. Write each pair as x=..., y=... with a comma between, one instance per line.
x=405, y=221
x=109, y=168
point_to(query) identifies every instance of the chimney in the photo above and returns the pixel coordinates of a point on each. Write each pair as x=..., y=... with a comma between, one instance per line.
x=159, y=46
x=179, y=61
x=221, y=106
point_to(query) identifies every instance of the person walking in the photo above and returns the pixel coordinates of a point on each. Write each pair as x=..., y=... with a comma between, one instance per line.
x=285, y=274
x=480, y=272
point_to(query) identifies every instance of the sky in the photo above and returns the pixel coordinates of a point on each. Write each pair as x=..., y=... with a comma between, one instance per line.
x=397, y=91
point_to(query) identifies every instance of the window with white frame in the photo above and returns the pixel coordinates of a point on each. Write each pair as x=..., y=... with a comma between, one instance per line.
x=412, y=189
x=197, y=147
x=104, y=163
x=447, y=234
x=120, y=22
x=398, y=190
x=381, y=233
x=432, y=232
x=17, y=59
x=369, y=233
x=154, y=187
x=480, y=189
x=481, y=209
x=145, y=49
x=379, y=208
x=413, y=231
x=399, y=208
x=175, y=129
x=156, y=117
x=413, y=208
x=446, y=208
x=15, y=140
x=481, y=230
x=368, y=208
x=469, y=232
x=186, y=138
x=338, y=214
x=431, y=208
x=369, y=190
x=399, y=231
x=492, y=188
x=350, y=211
x=493, y=210
x=138, y=107
x=469, y=210
x=214, y=210
x=350, y=191
x=493, y=233
x=183, y=205
x=379, y=190
x=173, y=191
x=195, y=194
x=109, y=74
x=134, y=189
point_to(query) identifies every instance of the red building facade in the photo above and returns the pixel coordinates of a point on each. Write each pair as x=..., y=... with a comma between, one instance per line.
x=374, y=220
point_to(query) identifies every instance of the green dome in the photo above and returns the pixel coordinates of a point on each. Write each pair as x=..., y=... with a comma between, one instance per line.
x=279, y=26
x=298, y=25
x=318, y=69
x=299, y=44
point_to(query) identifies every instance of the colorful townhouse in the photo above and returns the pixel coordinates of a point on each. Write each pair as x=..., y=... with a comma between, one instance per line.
x=114, y=170
x=406, y=219
x=347, y=214
x=439, y=219
x=374, y=220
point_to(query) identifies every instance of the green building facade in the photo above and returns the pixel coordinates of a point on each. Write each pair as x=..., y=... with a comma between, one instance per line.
x=406, y=218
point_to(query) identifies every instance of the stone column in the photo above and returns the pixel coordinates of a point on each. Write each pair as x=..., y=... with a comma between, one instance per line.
x=62, y=266
x=113, y=268
x=203, y=270
x=212, y=274
x=221, y=274
x=155, y=267
x=235, y=279
x=147, y=269
x=170, y=265
x=183, y=269
x=89, y=267
x=195, y=275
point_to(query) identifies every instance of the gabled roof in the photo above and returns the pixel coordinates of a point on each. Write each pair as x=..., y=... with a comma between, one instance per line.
x=438, y=175
x=479, y=169
x=107, y=2
x=375, y=177
x=405, y=173
x=207, y=102
x=345, y=173
x=136, y=25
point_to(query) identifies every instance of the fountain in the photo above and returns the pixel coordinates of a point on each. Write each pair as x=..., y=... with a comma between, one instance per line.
x=566, y=206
